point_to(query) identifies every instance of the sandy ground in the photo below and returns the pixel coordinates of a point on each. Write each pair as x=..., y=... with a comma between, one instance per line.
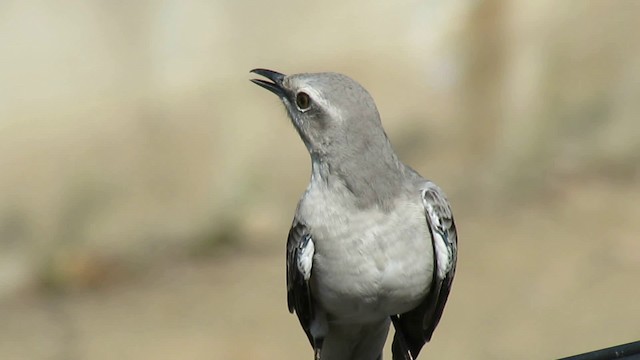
x=557, y=279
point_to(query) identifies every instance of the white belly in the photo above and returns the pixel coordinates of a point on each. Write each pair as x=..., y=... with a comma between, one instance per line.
x=372, y=264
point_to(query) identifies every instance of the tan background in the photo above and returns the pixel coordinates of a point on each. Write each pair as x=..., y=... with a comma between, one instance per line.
x=146, y=186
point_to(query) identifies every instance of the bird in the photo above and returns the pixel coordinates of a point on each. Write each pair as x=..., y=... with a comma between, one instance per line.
x=372, y=242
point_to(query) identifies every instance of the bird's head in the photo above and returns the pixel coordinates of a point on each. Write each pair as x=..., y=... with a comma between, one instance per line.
x=334, y=115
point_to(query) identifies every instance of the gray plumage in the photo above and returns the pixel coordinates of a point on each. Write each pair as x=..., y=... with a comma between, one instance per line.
x=372, y=242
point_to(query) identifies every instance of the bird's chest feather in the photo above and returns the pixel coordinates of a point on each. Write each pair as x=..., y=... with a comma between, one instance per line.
x=370, y=263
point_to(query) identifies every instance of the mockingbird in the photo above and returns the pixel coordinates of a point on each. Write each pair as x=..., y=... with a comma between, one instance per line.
x=372, y=242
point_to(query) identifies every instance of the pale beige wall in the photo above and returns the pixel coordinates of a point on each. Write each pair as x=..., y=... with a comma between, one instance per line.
x=129, y=131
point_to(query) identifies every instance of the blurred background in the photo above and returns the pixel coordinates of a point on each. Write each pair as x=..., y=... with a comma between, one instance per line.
x=147, y=187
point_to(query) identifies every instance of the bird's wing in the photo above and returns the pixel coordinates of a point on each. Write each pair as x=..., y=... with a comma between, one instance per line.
x=415, y=328
x=445, y=247
x=300, y=250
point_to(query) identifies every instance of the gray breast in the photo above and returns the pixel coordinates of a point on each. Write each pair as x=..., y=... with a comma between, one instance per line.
x=368, y=263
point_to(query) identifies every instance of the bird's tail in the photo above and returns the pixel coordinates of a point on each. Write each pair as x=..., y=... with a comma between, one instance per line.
x=403, y=348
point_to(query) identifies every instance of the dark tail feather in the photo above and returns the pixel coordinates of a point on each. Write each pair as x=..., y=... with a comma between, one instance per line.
x=404, y=347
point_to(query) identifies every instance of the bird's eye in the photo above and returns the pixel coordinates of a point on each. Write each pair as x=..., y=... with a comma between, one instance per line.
x=303, y=101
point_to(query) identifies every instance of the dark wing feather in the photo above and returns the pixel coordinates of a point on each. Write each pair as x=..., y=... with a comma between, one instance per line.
x=299, y=297
x=442, y=226
x=417, y=326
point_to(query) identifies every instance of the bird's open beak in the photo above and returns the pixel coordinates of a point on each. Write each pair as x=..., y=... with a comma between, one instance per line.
x=275, y=85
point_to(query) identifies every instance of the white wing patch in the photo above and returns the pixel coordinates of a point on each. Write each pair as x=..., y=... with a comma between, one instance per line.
x=442, y=253
x=442, y=249
x=305, y=258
